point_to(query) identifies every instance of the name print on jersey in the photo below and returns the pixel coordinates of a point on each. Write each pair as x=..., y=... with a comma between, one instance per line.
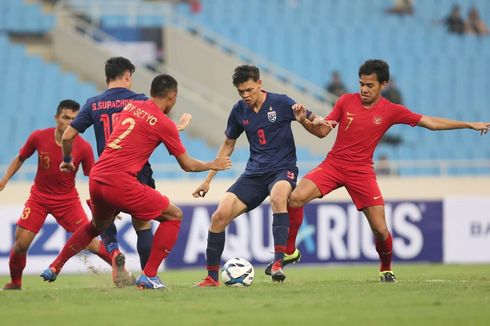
x=142, y=114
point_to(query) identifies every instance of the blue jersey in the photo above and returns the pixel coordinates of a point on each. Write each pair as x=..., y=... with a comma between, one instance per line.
x=268, y=132
x=102, y=112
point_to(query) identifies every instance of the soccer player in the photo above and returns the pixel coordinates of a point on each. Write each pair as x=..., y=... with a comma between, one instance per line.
x=53, y=192
x=102, y=111
x=363, y=118
x=271, y=169
x=113, y=184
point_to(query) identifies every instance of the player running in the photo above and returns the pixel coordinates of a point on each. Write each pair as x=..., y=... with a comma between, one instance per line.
x=113, y=184
x=363, y=118
x=102, y=111
x=271, y=169
x=53, y=191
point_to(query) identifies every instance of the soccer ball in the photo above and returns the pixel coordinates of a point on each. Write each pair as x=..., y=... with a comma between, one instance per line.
x=237, y=272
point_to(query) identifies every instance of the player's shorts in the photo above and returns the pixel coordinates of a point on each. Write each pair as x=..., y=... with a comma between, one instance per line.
x=128, y=195
x=68, y=213
x=360, y=182
x=145, y=176
x=252, y=190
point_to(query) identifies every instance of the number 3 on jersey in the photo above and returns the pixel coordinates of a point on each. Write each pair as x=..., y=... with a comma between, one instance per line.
x=261, y=135
x=115, y=142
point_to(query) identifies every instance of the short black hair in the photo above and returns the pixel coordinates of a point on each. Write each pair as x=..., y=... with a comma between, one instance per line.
x=244, y=73
x=378, y=67
x=116, y=67
x=162, y=85
x=67, y=104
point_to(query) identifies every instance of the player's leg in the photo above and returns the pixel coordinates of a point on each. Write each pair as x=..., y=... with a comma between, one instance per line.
x=18, y=255
x=28, y=225
x=143, y=228
x=384, y=242
x=364, y=191
x=228, y=209
x=280, y=225
x=144, y=239
x=71, y=216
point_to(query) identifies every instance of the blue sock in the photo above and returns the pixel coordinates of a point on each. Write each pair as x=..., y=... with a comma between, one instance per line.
x=280, y=228
x=216, y=244
x=109, y=238
x=143, y=245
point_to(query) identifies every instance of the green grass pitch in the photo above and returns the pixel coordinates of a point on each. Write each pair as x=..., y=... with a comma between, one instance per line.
x=334, y=295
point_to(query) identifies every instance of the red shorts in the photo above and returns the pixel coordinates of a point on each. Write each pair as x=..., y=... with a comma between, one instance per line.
x=68, y=213
x=128, y=196
x=360, y=182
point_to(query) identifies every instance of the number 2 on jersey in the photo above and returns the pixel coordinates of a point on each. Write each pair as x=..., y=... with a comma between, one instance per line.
x=261, y=135
x=115, y=142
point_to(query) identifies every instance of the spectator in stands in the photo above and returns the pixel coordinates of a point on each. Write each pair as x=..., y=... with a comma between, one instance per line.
x=401, y=7
x=392, y=93
x=474, y=24
x=336, y=85
x=455, y=22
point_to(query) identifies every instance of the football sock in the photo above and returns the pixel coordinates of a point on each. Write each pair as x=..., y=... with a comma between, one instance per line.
x=103, y=253
x=109, y=237
x=163, y=242
x=385, y=250
x=280, y=226
x=76, y=243
x=17, y=263
x=295, y=220
x=216, y=244
x=143, y=245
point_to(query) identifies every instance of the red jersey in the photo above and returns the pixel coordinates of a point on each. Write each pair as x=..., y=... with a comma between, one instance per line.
x=360, y=129
x=50, y=180
x=141, y=127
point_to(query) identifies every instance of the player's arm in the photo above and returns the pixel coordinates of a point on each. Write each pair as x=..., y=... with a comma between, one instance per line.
x=190, y=164
x=184, y=121
x=11, y=170
x=224, y=151
x=314, y=124
x=66, y=146
x=437, y=123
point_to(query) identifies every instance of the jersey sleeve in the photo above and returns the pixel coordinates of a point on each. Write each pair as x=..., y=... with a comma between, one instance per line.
x=336, y=113
x=87, y=159
x=233, y=129
x=29, y=147
x=402, y=115
x=84, y=118
x=171, y=139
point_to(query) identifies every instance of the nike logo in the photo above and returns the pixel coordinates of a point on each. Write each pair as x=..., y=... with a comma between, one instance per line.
x=349, y=114
x=79, y=221
x=376, y=197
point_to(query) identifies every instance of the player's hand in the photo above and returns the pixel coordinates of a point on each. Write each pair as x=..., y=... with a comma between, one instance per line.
x=2, y=184
x=67, y=167
x=201, y=191
x=299, y=112
x=222, y=163
x=184, y=121
x=482, y=127
x=322, y=122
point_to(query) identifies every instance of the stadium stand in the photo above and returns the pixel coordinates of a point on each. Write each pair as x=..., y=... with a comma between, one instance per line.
x=438, y=73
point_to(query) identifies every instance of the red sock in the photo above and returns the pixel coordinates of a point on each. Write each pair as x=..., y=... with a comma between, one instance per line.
x=385, y=250
x=17, y=263
x=103, y=253
x=295, y=220
x=76, y=243
x=163, y=242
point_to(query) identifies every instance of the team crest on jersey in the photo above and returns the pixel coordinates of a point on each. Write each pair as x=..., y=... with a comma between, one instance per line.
x=377, y=120
x=271, y=115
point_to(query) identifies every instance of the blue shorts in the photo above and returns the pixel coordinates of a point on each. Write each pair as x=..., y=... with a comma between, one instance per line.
x=252, y=190
x=145, y=176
